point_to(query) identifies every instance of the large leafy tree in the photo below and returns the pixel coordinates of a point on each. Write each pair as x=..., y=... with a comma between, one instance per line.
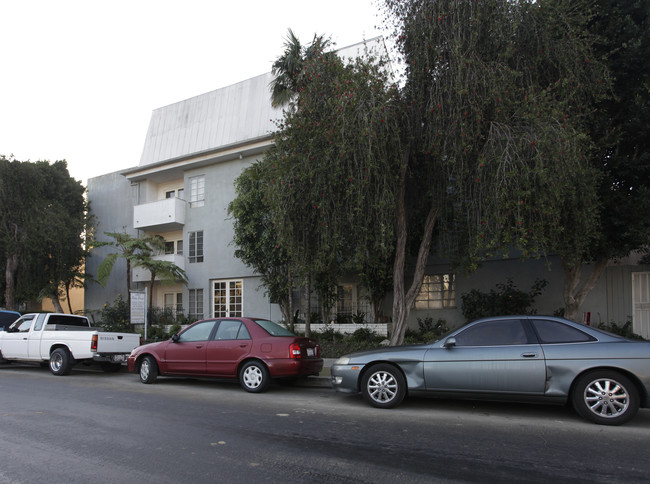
x=256, y=239
x=620, y=130
x=330, y=171
x=43, y=222
x=493, y=94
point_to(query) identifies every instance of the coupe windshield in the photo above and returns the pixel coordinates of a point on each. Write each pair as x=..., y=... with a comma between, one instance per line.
x=272, y=328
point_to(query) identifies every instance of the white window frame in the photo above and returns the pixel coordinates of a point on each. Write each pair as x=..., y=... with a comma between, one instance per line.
x=227, y=298
x=177, y=305
x=196, y=304
x=438, y=291
x=197, y=191
x=195, y=251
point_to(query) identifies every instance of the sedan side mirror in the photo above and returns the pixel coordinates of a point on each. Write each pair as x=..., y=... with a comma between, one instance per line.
x=449, y=343
x=175, y=338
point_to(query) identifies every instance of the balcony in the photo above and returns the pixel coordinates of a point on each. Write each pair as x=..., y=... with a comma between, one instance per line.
x=161, y=216
x=140, y=274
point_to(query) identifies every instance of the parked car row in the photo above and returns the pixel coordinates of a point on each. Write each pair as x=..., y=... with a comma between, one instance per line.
x=523, y=358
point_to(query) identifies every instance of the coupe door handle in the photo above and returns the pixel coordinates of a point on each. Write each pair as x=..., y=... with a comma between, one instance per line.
x=529, y=355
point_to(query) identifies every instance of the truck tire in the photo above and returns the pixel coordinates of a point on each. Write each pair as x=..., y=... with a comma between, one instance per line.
x=60, y=361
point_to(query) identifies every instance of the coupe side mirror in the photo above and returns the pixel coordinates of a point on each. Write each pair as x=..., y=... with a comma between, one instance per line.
x=175, y=338
x=449, y=343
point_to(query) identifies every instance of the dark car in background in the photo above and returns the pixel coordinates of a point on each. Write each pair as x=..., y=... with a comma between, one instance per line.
x=6, y=318
x=254, y=351
x=538, y=358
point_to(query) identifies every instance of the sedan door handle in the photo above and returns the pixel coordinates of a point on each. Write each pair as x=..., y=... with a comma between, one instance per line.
x=529, y=355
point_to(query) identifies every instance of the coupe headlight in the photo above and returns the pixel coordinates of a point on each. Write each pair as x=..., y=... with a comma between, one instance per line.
x=343, y=360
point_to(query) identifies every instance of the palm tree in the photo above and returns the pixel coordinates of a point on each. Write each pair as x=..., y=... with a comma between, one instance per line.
x=165, y=270
x=288, y=68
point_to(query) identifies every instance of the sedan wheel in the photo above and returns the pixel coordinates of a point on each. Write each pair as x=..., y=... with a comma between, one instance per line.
x=383, y=386
x=148, y=370
x=605, y=397
x=254, y=377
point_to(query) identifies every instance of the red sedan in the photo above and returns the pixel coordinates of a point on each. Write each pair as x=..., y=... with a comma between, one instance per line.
x=252, y=350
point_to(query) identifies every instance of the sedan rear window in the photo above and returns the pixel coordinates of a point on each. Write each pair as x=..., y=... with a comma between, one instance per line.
x=272, y=328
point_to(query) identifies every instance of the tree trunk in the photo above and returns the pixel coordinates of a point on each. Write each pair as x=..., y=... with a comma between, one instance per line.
x=308, y=313
x=290, y=301
x=575, y=293
x=10, y=278
x=67, y=296
x=153, y=279
x=54, y=297
x=128, y=285
x=402, y=301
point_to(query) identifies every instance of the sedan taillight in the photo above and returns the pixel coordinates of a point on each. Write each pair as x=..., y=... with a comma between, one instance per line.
x=295, y=351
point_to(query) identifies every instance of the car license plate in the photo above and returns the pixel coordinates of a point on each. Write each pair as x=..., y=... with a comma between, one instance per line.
x=310, y=351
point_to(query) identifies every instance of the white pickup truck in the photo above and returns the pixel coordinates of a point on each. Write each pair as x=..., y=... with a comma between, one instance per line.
x=64, y=340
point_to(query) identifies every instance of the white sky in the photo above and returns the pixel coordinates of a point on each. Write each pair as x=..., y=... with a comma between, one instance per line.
x=80, y=78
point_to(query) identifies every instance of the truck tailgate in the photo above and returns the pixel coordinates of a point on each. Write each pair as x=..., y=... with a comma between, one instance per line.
x=117, y=342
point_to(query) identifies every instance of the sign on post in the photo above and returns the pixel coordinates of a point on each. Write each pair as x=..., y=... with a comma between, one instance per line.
x=139, y=309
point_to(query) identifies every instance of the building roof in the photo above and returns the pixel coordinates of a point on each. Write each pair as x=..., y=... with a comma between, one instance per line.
x=220, y=118
x=223, y=120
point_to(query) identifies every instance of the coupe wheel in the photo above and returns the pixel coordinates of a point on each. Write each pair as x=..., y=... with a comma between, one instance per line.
x=60, y=361
x=383, y=386
x=148, y=370
x=254, y=377
x=605, y=397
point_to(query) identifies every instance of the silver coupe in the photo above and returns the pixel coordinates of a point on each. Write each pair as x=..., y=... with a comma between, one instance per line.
x=538, y=358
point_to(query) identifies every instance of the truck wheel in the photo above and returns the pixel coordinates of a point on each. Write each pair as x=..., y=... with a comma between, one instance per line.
x=148, y=369
x=60, y=361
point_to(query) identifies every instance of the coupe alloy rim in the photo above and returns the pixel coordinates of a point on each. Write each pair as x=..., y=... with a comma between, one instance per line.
x=606, y=398
x=56, y=362
x=382, y=387
x=252, y=377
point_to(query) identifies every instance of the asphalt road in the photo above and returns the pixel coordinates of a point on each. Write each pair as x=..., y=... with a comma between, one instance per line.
x=109, y=428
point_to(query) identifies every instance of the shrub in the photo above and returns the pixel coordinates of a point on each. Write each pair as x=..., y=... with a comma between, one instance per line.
x=334, y=344
x=505, y=300
x=428, y=330
x=116, y=317
x=624, y=330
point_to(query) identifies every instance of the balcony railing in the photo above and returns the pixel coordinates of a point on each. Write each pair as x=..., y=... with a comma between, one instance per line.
x=163, y=215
